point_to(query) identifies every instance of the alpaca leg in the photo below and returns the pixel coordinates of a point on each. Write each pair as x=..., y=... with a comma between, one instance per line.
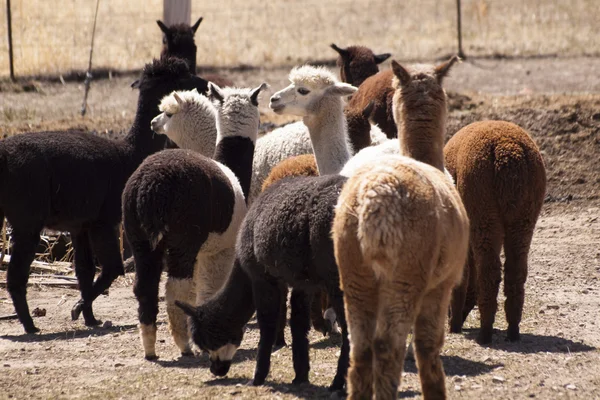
x=516, y=248
x=148, y=267
x=181, y=266
x=486, y=255
x=361, y=316
x=23, y=253
x=85, y=271
x=398, y=305
x=267, y=298
x=337, y=303
x=105, y=243
x=471, y=295
x=316, y=313
x=459, y=295
x=280, y=338
x=300, y=325
x=429, y=339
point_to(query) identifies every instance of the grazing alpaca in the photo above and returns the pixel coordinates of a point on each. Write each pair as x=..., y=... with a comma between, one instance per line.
x=357, y=63
x=500, y=175
x=401, y=238
x=72, y=181
x=285, y=237
x=178, y=41
x=185, y=209
x=378, y=88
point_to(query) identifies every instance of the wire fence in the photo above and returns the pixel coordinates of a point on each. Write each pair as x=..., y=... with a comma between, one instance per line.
x=52, y=37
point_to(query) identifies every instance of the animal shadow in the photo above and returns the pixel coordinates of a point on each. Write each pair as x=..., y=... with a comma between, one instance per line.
x=303, y=391
x=455, y=365
x=531, y=343
x=69, y=334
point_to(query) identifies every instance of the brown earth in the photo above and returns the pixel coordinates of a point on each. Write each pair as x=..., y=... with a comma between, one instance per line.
x=557, y=100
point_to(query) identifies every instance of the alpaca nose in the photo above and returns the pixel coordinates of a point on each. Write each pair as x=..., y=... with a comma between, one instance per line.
x=275, y=98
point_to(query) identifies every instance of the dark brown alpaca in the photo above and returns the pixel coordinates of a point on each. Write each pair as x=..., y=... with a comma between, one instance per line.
x=501, y=178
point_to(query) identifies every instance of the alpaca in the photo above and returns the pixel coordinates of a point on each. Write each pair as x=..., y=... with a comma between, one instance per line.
x=401, y=239
x=500, y=175
x=357, y=63
x=188, y=121
x=178, y=41
x=73, y=183
x=378, y=88
x=285, y=237
x=184, y=208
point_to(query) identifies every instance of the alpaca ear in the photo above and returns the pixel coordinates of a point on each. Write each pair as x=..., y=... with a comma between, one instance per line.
x=215, y=93
x=195, y=91
x=135, y=84
x=366, y=112
x=401, y=73
x=177, y=98
x=442, y=70
x=188, y=309
x=162, y=26
x=254, y=94
x=341, y=89
x=341, y=52
x=197, y=24
x=379, y=58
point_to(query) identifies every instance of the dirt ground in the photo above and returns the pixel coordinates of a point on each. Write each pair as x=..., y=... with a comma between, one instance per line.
x=557, y=100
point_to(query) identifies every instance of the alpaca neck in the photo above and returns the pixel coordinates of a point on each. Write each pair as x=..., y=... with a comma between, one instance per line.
x=142, y=139
x=423, y=138
x=329, y=136
x=235, y=150
x=234, y=302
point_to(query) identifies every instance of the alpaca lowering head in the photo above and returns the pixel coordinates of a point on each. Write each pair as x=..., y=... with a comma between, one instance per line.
x=420, y=110
x=310, y=88
x=188, y=119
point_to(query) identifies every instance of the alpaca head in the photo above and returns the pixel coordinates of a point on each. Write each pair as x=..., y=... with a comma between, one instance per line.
x=419, y=92
x=221, y=341
x=237, y=110
x=178, y=41
x=187, y=116
x=357, y=63
x=310, y=87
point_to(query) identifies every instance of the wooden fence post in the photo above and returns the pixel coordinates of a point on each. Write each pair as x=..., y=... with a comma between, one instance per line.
x=10, y=46
x=177, y=12
x=461, y=54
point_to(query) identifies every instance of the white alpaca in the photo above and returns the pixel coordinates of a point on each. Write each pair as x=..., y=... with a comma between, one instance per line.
x=189, y=120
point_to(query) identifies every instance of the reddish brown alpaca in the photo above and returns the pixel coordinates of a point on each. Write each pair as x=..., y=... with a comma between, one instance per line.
x=500, y=175
x=401, y=237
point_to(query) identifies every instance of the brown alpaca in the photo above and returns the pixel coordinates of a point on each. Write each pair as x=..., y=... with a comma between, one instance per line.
x=377, y=88
x=401, y=238
x=500, y=175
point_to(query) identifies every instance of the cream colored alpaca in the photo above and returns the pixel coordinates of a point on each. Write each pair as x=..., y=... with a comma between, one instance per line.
x=400, y=237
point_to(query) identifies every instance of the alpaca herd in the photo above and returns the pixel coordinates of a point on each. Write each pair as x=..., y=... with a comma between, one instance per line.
x=358, y=208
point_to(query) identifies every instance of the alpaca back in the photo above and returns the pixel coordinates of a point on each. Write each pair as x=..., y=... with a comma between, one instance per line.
x=499, y=162
x=398, y=203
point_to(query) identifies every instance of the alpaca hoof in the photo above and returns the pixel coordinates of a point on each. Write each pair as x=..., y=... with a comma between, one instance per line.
x=76, y=310
x=484, y=338
x=187, y=353
x=258, y=382
x=513, y=335
x=279, y=346
x=151, y=357
x=31, y=329
x=455, y=329
x=336, y=385
x=300, y=381
x=92, y=321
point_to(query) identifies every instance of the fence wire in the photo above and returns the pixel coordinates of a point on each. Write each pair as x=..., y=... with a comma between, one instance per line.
x=52, y=37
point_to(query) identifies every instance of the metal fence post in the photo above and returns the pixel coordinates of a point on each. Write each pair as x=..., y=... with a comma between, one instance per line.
x=10, y=47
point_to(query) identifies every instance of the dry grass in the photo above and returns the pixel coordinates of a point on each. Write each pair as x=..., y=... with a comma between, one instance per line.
x=53, y=37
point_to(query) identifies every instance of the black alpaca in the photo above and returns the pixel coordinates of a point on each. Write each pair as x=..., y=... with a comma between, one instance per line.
x=284, y=240
x=178, y=41
x=72, y=181
x=186, y=209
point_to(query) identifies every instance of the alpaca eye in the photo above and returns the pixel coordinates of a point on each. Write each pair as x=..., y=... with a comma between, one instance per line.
x=169, y=115
x=303, y=91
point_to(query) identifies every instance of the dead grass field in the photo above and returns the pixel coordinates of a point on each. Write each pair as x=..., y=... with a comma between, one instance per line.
x=52, y=37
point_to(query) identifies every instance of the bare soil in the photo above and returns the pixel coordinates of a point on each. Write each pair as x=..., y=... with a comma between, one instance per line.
x=557, y=100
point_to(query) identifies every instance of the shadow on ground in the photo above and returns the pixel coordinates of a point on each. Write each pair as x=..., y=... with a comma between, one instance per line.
x=68, y=335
